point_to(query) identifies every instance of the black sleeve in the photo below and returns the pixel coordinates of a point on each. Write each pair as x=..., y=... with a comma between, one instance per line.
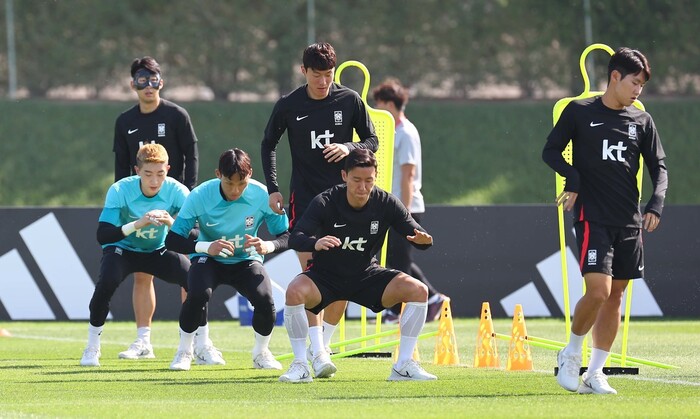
x=654, y=156
x=122, y=162
x=188, y=143
x=281, y=242
x=558, y=138
x=405, y=224
x=303, y=237
x=273, y=132
x=365, y=129
x=108, y=233
x=179, y=244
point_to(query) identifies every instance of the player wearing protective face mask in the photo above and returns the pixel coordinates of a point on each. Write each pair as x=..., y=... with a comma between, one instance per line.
x=153, y=120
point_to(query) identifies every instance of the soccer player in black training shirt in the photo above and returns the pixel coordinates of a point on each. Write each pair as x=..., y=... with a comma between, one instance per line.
x=319, y=118
x=152, y=120
x=608, y=135
x=345, y=227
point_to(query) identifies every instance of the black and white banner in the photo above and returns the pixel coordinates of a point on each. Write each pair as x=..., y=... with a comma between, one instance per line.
x=506, y=255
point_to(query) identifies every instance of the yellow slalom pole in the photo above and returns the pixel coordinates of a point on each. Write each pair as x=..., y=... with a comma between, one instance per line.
x=626, y=324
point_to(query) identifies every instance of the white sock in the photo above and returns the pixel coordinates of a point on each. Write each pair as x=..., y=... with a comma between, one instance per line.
x=316, y=337
x=144, y=334
x=94, y=333
x=411, y=324
x=202, y=336
x=261, y=343
x=186, y=341
x=297, y=326
x=328, y=330
x=597, y=362
x=575, y=345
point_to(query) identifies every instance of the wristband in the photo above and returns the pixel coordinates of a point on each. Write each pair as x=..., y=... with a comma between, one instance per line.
x=202, y=247
x=129, y=228
x=269, y=246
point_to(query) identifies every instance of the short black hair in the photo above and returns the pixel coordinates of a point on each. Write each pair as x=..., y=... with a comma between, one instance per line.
x=319, y=56
x=235, y=161
x=629, y=61
x=148, y=63
x=360, y=157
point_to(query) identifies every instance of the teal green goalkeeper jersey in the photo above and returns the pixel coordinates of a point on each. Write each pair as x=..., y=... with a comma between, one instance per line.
x=126, y=203
x=229, y=220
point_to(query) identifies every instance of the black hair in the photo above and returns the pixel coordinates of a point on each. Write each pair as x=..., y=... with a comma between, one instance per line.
x=148, y=63
x=235, y=161
x=319, y=56
x=629, y=61
x=391, y=90
x=360, y=157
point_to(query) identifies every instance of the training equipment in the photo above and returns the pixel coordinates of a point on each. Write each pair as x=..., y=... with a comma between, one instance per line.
x=519, y=356
x=323, y=366
x=138, y=350
x=4, y=333
x=266, y=361
x=410, y=370
x=182, y=361
x=486, y=354
x=596, y=383
x=298, y=373
x=446, y=343
x=91, y=357
x=208, y=355
x=384, y=127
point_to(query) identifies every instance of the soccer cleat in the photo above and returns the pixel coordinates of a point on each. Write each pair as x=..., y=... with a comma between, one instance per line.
x=569, y=367
x=208, y=355
x=323, y=366
x=91, y=357
x=410, y=370
x=596, y=383
x=266, y=361
x=182, y=361
x=310, y=355
x=435, y=308
x=298, y=373
x=138, y=350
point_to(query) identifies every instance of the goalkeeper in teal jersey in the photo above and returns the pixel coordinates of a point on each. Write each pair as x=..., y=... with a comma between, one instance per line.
x=133, y=225
x=229, y=210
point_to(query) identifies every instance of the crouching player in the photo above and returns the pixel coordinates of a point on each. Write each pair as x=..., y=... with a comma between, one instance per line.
x=229, y=209
x=345, y=227
x=133, y=225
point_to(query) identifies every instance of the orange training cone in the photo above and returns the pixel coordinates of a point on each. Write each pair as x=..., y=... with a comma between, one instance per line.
x=519, y=356
x=446, y=345
x=486, y=353
x=5, y=333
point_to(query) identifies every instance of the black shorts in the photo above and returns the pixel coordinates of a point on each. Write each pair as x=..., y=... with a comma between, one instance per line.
x=366, y=290
x=614, y=251
x=297, y=207
x=165, y=264
x=248, y=277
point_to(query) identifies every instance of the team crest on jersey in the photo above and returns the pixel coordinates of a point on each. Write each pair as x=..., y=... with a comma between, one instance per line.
x=374, y=227
x=632, y=131
x=249, y=221
x=161, y=129
x=592, y=257
x=338, y=117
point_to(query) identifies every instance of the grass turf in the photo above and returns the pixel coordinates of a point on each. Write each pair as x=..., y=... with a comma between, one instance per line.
x=40, y=376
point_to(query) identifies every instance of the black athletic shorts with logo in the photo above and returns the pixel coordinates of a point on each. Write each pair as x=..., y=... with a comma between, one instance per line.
x=615, y=251
x=366, y=291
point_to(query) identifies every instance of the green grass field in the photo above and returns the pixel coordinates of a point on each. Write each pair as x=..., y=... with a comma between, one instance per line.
x=40, y=377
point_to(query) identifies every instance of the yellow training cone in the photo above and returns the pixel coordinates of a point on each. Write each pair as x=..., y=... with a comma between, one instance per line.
x=446, y=345
x=519, y=356
x=486, y=353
